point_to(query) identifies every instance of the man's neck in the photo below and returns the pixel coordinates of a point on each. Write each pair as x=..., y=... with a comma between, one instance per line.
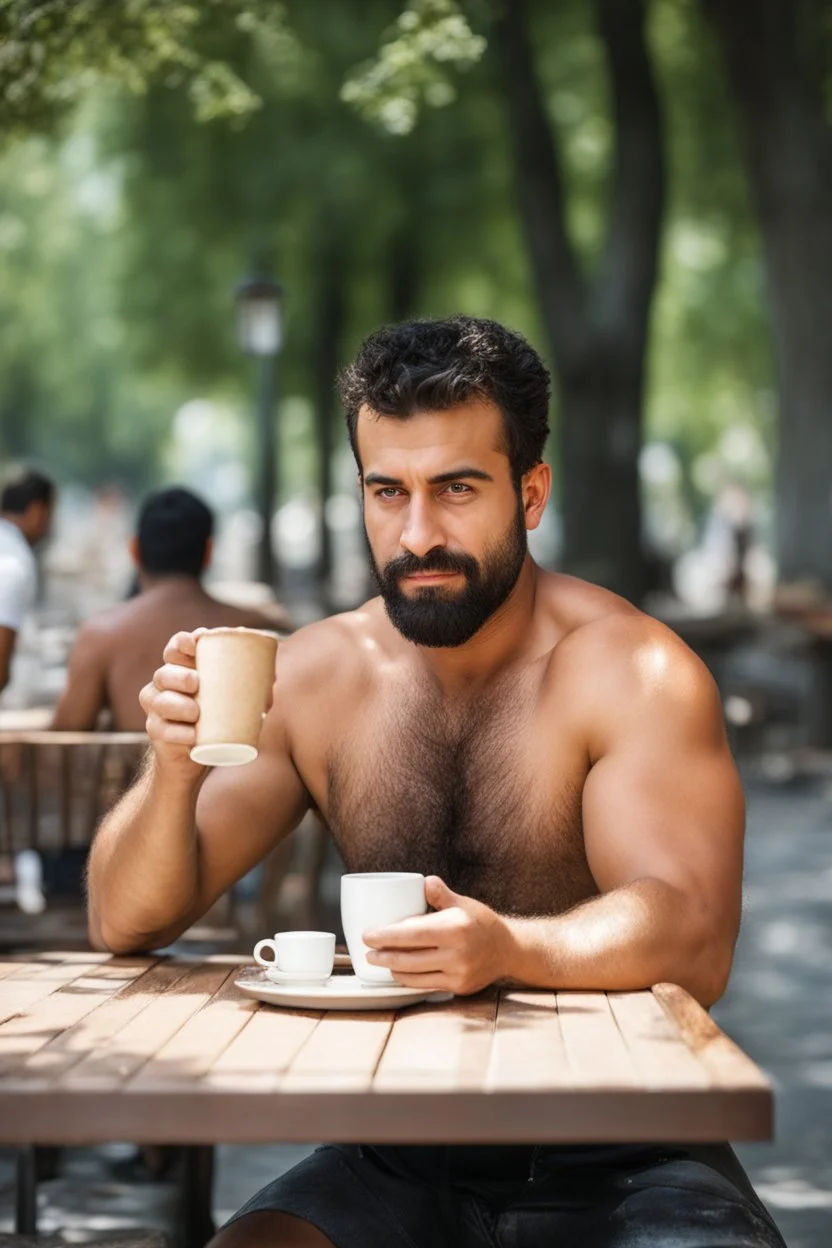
x=501, y=640
x=176, y=582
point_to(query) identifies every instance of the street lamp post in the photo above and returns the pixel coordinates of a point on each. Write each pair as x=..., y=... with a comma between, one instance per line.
x=260, y=332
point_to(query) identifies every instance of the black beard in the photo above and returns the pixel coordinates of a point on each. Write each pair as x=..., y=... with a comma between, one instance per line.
x=441, y=618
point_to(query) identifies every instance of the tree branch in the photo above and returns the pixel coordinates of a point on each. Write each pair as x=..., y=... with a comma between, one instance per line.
x=624, y=289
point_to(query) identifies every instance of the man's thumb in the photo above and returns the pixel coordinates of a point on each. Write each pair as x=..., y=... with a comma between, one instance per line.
x=438, y=895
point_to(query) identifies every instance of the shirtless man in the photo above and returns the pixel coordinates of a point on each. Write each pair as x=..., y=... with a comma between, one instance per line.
x=553, y=759
x=117, y=651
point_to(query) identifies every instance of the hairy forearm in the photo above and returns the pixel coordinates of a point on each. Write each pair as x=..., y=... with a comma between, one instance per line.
x=645, y=933
x=143, y=875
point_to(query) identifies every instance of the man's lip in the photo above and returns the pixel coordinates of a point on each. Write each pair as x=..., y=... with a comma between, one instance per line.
x=431, y=576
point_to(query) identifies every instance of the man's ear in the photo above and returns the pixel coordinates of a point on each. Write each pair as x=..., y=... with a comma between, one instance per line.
x=536, y=487
x=135, y=553
x=209, y=554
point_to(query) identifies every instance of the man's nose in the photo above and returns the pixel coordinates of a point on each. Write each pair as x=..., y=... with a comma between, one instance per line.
x=421, y=531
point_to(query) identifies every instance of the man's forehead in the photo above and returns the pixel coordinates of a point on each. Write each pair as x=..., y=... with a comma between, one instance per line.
x=474, y=427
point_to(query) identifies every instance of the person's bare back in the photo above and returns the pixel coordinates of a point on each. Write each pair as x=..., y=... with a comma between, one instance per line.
x=117, y=652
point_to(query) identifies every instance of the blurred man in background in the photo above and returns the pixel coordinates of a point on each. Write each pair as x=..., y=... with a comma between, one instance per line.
x=27, y=502
x=117, y=651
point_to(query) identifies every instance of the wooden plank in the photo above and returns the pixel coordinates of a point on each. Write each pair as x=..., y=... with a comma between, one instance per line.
x=20, y=991
x=145, y=1034
x=58, y=1115
x=527, y=1050
x=98, y=1029
x=47, y=737
x=341, y=1053
x=448, y=1048
x=597, y=1054
x=263, y=1050
x=659, y=1053
x=192, y=1051
x=725, y=1062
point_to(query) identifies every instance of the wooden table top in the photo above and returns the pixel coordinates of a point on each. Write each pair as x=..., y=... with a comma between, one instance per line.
x=155, y=1050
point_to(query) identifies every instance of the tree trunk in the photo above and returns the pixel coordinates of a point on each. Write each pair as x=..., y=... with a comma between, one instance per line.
x=597, y=328
x=771, y=51
x=331, y=312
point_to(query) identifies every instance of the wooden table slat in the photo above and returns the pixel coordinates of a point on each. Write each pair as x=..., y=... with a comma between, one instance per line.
x=51, y=1017
x=23, y=989
x=527, y=1050
x=594, y=1045
x=725, y=1062
x=342, y=1052
x=117, y=1062
x=447, y=1049
x=660, y=1055
x=191, y=1051
x=97, y=1030
x=259, y=1054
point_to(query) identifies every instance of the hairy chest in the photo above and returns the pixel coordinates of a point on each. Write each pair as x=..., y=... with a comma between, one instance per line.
x=479, y=798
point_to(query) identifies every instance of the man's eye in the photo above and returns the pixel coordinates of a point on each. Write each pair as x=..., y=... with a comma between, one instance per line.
x=459, y=487
x=388, y=491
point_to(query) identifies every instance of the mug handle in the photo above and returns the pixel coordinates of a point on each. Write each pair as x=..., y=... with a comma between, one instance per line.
x=258, y=956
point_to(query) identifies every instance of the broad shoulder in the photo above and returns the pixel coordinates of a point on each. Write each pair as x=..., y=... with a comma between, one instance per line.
x=629, y=676
x=331, y=653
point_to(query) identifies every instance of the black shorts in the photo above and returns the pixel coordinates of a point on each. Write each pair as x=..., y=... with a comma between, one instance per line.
x=627, y=1196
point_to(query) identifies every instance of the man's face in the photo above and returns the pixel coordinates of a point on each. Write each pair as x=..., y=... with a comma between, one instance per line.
x=444, y=524
x=37, y=522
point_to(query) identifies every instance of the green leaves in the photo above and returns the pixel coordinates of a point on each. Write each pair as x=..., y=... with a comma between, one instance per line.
x=430, y=39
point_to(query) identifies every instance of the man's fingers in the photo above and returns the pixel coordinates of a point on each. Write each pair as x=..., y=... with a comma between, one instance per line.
x=425, y=930
x=434, y=981
x=170, y=733
x=181, y=649
x=175, y=708
x=408, y=961
x=173, y=676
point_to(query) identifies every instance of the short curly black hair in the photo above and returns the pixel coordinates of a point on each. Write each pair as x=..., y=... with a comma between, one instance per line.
x=431, y=365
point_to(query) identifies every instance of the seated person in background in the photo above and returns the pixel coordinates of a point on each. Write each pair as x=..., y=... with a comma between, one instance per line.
x=117, y=651
x=26, y=505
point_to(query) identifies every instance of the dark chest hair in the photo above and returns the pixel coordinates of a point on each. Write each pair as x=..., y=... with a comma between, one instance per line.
x=453, y=793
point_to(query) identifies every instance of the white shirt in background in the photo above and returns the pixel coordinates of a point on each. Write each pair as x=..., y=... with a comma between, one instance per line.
x=18, y=576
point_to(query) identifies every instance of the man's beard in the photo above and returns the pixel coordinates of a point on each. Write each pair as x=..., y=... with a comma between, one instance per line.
x=433, y=616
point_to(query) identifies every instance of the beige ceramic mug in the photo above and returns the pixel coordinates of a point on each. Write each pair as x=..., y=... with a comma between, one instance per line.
x=236, y=668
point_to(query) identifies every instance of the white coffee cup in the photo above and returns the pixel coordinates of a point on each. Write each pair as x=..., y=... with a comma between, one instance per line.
x=299, y=956
x=373, y=899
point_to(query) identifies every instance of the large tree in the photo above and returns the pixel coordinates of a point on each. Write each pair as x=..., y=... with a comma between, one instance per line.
x=777, y=58
x=597, y=322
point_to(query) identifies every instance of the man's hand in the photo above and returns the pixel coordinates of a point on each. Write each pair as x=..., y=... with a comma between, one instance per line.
x=169, y=702
x=461, y=948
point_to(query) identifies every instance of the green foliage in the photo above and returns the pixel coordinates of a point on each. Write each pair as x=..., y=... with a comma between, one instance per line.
x=413, y=65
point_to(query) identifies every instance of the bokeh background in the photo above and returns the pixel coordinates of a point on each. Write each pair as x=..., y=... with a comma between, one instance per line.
x=641, y=187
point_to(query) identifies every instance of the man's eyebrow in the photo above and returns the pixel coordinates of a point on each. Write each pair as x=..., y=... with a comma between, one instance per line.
x=441, y=478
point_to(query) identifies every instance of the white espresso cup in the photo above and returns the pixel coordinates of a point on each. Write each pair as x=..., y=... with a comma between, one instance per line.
x=374, y=899
x=298, y=956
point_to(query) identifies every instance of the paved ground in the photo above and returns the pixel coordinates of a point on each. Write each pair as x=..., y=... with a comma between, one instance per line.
x=779, y=1008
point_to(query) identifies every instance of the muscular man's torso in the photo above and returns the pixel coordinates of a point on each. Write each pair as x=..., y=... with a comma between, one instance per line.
x=483, y=789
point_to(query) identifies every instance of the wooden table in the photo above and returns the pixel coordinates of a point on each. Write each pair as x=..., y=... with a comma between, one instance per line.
x=95, y=1048
x=155, y=1050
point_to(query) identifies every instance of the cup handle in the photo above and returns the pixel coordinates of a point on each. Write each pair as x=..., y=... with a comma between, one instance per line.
x=258, y=956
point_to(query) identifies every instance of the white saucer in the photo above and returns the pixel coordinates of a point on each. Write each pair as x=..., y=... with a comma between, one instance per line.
x=342, y=992
x=287, y=977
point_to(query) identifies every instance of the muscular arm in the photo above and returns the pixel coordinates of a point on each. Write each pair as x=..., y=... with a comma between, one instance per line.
x=8, y=636
x=664, y=820
x=180, y=838
x=85, y=693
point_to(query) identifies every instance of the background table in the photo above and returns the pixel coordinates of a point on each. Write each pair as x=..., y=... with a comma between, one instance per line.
x=156, y=1050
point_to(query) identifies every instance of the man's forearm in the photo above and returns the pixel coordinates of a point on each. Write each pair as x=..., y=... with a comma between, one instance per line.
x=642, y=934
x=144, y=866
